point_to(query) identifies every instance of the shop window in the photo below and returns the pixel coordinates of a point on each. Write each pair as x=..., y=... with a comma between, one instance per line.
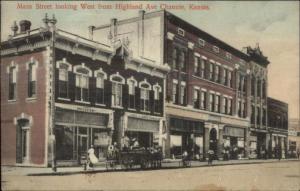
x=82, y=84
x=100, y=77
x=31, y=80
x=145, y=89
x=12, y=83
x=157, y=99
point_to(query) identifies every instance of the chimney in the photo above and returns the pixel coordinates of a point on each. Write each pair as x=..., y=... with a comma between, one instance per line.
x=24, y=26
x=141, y=14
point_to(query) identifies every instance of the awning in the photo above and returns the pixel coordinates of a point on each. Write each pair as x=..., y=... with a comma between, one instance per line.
x=234, y=132
x=142, y=125
x=189, y=126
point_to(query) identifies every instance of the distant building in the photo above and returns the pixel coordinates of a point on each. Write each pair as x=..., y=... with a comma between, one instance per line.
x=294, y=136
x=277, y=127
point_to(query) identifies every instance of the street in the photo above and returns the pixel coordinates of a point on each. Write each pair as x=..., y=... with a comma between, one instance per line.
x=267, y=176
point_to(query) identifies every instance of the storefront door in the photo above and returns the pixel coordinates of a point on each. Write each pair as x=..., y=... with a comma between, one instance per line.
x=82, y=144
x=213, y=145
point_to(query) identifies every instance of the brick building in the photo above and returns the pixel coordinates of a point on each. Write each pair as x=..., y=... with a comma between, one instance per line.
x=277, y=128
x=209, y=97
x=61, y=93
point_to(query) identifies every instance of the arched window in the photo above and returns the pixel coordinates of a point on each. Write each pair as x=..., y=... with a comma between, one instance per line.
x=117, y=82
x=145, y=88
x=100, y=78
x=132, y=83
x=82, y=83
x=157, y=98
x=63, y=78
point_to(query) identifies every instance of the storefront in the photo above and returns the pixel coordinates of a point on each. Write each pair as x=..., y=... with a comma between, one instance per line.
x=186, y=135
x=76, y=130
x=234, y=142
x=258, y=145
x=142, y=130
x=279, y=145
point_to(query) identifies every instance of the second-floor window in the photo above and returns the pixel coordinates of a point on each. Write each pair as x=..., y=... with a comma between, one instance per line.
x=131, y=93
x=211, y=102
x=224, y=105
x=182, y=94
x=157, y=98
x=12, y=83
x=82, y=84
x=203, y=100
x=100, y=77
x=116, y=94
x=31, y=80
x=63, y=81
x=174, y=93
x=229, y=110
x=229, y=81
x=217, y=103
x=217, y=74
x=211, y=71
x=145, y=89
x=196, y=98
x=197, y=66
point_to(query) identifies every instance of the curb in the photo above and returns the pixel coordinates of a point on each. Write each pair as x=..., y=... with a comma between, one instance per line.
x=103, y=170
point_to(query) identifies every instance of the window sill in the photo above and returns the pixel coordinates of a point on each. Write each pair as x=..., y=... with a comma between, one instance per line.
x=11, y=100
x=131, y=109
x=84, y=102
x=198, y=77
x=144, y=111
x=64, y=99
x=117, y=107
x=31, y=99
x=99, y=104
x=157, y=113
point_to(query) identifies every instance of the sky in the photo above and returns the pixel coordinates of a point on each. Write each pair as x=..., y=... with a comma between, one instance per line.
x=272, y=24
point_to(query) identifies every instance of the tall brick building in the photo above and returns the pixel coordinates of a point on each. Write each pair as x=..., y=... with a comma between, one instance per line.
x=212, y=90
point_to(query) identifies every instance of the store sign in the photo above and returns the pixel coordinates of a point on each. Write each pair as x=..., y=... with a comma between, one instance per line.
x=101, y=139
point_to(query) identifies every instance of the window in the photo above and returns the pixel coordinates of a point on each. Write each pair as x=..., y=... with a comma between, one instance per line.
x=174, y=92
x=203, y=100
x=12, y=83
x=100, y=77
x=211, y=102
x=31, y=80
x=252, y=114
x=196, y=66
x=217, y=103
x=216, y=49
x=217, y=71
x=239, y=108
x=229, y=110
x=182, y=94
x=131, y=91
x=263, y=89
x=175, y=57
x=82, y=85
x=258, y=116
x=157, y=98
x=258, y=88
x=252, y=86
x=63, y=80
x=225, y=76
x=228, y=55
x=196, y=98
x=202, y=67
x=145, y=89
x=182, y=60
x=229, y=81
x=201, y=42
x=211, y=70
x=244, y=109
x=224, y=105
x=180, y=31
x=116, y=95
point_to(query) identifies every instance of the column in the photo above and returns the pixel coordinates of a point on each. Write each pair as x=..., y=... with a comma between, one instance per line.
x=220, y=142
x=248, y=95
x=268, y=145
x=206, y=139
x=26, y=159
x=255, y=101
x=235, y=109
x=247, y=142
x=168, y=138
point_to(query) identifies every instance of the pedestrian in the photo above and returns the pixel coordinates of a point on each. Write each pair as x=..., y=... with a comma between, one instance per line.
x=92, y=159
x=298, y=153
x=210, y=156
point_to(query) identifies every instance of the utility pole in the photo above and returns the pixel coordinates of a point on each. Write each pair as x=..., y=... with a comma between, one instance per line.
x=50, y=24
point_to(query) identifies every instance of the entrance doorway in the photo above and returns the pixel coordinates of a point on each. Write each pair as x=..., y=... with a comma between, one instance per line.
x=22, y=141
x=82, y=147
x=213, y=144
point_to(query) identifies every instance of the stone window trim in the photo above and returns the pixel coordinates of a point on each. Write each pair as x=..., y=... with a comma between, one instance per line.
x=216, y=49
x=82, y=66
x=100, y=71
x=180, y=31
x=201, y=42
x=64, y=62
x=117, y=75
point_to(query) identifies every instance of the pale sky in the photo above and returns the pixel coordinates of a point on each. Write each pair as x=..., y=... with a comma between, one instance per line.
x=274, y=25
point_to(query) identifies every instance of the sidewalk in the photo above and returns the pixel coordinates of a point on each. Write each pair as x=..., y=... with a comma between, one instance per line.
x=166, y=164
